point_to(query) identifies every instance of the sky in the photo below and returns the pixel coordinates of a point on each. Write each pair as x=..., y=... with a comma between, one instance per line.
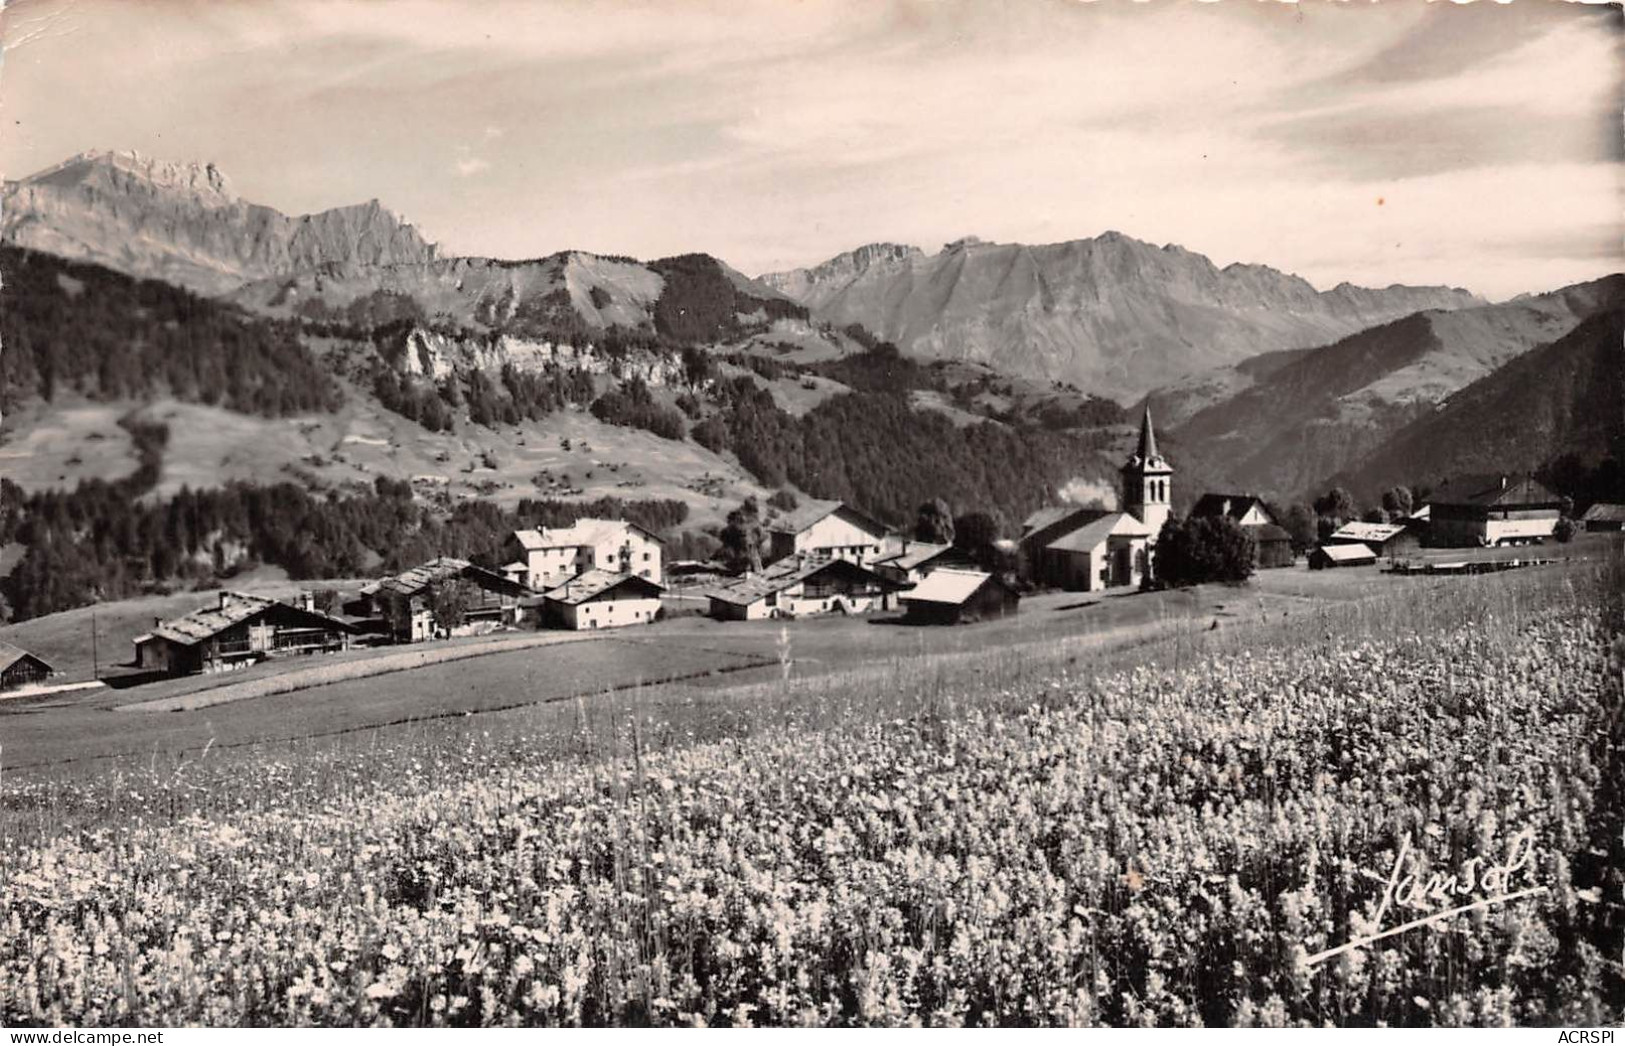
x=1474, y=145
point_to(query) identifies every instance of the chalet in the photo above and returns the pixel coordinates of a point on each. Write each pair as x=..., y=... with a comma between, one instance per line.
x=239, y=631
x=406, y=602
x=1108, y=551
x=1272, y=545
x=1350, y=555
x=1385, y=539
x=826, y=530
x=552, y=555
x=802, y=586
x=19, y=668
x=601, y=599
x=950, y=596
x=910, y=561
x=1471, y=511
x=1605, y=517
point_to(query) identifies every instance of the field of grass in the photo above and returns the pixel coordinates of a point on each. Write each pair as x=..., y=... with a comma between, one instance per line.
x=1163, y=833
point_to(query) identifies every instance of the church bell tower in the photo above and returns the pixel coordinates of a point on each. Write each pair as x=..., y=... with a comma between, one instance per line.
x=1147, y=478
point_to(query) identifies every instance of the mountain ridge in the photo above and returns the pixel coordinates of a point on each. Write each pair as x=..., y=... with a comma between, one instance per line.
x=1111, y=313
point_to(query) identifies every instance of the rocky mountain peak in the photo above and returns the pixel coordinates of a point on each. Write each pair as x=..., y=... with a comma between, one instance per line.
x=123, y=169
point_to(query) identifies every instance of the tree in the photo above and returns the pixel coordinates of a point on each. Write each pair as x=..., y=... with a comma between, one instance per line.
x=1375, y=515
x=783, y=500
x=1398, y=501
x=978, y=534
x=934, y=522
x=449, y=603
x=1299, y=523
x=329, y=601
x=1337, y=504
x=743, y=537
x=1204, y=549
x=1564, y=531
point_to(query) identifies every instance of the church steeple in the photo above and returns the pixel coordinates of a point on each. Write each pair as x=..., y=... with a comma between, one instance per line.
x=1146, y=479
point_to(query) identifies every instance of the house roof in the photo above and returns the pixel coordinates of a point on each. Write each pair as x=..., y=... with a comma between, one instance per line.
x=1351, y=553
x=1357, y=530
x=10, y=655
x=948, y=586
x=594, y=583
x=810, y=512
x=411, y=582
x=1484, y=489
x=1233, y=505
x=1603, y=512
x=914, y=554
x=582, y=532
x=1268, y=532
x=1091, y=534
x=239, y=607
x=787, y=573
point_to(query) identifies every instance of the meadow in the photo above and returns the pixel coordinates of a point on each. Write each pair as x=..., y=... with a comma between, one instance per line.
x=1170, y=834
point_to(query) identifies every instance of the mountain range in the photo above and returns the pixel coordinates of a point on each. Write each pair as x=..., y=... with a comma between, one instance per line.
x=1264, y=382
x=1111, y=314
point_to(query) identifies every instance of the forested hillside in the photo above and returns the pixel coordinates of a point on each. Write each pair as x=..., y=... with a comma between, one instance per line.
x=72, y=326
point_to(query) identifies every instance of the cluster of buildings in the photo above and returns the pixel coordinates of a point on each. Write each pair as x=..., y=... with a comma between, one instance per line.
x=825, y=557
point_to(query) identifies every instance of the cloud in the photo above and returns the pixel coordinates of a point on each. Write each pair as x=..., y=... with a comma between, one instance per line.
x=471, y=165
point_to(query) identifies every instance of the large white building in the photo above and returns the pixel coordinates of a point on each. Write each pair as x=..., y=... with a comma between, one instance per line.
x=548, y=557
x=827, y=530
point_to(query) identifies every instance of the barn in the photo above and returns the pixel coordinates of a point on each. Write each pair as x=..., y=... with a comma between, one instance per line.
x=19, y=668
x=826, y=530
x=1474, y=511
x=1604, y=517
x=239, y=631
x=1385, y=539
x=406, y=602
x=601, y=599
x=953, y=597
x=1350, y=555
x=802, y=587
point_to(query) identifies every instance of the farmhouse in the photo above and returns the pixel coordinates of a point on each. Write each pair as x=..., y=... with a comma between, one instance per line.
x=1604, y=517
x=950, y=596
x=601, y=599
x=909, y=563
x=239, y=631
x=1385, y=539
x=1351, y=555
x=1471, y=511
x=472, y=599
x=19, y=668
x=552, y=555
x=826, y=530
x=1272, y=546
x=802, y=587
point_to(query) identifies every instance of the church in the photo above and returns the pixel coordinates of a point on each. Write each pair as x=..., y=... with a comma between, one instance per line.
x=1089, y=549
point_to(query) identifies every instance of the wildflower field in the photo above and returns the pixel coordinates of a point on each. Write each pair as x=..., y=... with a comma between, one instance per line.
x=1173, y=841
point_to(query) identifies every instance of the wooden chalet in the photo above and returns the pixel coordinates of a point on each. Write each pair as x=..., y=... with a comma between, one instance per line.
x=240, y=630
x=1385, y=539
x=1481, y=510
x=950, y=596
x=406, y=601
x=802, y=587
x=1327, y=557
x=1604, y=517
x=909, y=562
x=601, y=599
x=19, y=668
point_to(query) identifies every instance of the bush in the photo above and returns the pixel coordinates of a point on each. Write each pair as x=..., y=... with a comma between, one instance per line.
x=1202, y=550
x=1564, y=531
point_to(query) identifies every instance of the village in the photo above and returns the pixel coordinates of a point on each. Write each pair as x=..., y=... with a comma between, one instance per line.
x=823, y=558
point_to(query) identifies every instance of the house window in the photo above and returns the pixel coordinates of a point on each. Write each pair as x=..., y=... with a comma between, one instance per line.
x=646, y=557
